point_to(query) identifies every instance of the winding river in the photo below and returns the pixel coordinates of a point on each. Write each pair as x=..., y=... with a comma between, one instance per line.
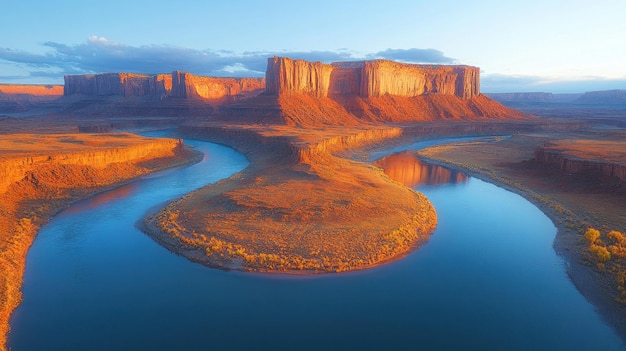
x=488, y=279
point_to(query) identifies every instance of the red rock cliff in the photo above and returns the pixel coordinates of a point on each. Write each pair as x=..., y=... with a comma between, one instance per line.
x=187, y=85
x=176, y=84
x=285, y=76
x=122, y=84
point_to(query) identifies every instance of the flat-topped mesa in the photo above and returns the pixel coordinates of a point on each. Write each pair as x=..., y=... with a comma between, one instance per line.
x=121, y=84
x=177, y=84
x=43, y=90
x=285, y=76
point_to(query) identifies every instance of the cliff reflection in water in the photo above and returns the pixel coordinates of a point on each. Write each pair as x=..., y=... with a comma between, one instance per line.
x=405, y=167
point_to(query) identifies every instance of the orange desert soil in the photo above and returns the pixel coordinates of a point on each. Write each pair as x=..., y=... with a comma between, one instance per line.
x=298, y=207
x=574, y=201
x=41, y=174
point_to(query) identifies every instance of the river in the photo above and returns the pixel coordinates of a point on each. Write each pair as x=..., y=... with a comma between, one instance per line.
x=488, y=279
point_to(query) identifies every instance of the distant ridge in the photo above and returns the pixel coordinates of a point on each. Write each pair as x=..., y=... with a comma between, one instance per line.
x=604, y=97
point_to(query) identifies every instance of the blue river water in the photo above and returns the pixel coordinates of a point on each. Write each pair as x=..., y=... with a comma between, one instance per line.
x=488, y=279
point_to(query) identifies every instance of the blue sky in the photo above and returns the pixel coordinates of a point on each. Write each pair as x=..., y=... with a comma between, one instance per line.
x=558, y=46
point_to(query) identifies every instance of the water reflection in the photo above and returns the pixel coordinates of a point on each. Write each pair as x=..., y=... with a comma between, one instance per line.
x=405, y=167
x=103, y=198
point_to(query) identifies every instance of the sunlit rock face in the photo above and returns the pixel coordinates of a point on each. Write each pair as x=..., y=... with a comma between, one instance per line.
x=33, y=90
x=187, y=85
x=176, y=84
x=406, y=168
x=607, y=158
x=285, y=76
x=123, y=84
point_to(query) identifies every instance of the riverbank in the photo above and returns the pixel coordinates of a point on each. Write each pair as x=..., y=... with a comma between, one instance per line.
x=43, y=174
x=505, y=162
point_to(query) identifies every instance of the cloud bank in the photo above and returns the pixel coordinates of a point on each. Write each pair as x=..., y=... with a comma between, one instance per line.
x=99, y=54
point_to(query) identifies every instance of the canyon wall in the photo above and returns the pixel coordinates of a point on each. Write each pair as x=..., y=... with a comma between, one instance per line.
x=176, y=84
x=285, y=76
x=15, y=168
x=122, y=84
x=570, y=164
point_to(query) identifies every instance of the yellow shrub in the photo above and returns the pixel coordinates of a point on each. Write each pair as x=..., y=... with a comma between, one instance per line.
x=600, y=253
x=616, y=237
x=592, y=235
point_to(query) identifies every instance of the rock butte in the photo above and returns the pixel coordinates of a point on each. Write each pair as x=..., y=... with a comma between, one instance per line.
x=575, y=156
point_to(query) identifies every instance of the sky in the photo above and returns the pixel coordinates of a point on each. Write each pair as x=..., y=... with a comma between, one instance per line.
x=559, y=46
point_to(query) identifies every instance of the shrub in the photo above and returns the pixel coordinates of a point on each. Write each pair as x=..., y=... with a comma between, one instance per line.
x=616, y=237
x=600, y=253
x=592, y=235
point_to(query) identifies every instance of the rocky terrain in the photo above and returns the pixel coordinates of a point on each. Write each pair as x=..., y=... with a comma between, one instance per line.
x=369, y=78
x=601, y=157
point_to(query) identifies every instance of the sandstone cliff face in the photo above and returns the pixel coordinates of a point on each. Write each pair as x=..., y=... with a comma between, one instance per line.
x=550, y=154
x=285, y=76
x=187, y=85
x=122, y=84
x=176, y=84
x=16, y=168
x=381, y=77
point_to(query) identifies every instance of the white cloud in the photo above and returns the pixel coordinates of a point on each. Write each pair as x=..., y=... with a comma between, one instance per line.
x=99, y=54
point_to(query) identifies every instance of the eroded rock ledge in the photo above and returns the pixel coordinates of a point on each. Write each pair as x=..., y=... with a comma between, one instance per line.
x=607, y=158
